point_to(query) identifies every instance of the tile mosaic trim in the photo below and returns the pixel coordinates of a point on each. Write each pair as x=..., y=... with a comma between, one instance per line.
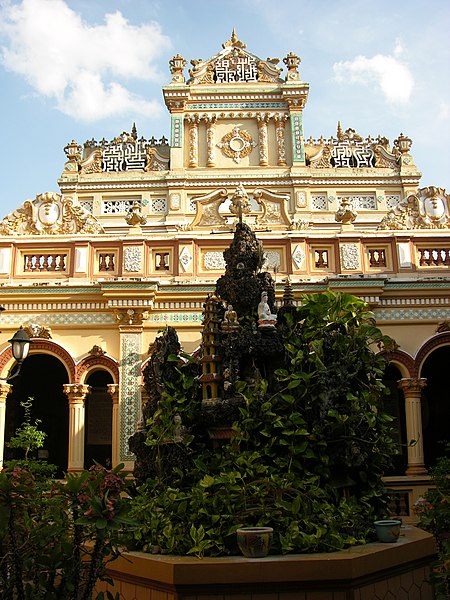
x=297, y=136
x=130, y=374
x=235, y=105
x=75, y=318
x=176, y=318
x=412, y=314
x=176, y=132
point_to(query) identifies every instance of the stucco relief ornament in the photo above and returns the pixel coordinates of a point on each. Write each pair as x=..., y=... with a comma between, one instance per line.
x=345, y=213
x=97, y=351
x=240, y=203
x=350, y=257
x=36, y=330
x=132, y=316
x=237, y=144
x=134, y=217
x=50, y=214
x=428, y=209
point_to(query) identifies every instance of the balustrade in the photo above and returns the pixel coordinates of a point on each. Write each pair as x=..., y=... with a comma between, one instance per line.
x=106, y=261
x=377, y=257
x=434, y=257
x=44, y=262
x=321, y=259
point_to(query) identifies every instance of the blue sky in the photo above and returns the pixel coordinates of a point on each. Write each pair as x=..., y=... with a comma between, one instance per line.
x=77, y=69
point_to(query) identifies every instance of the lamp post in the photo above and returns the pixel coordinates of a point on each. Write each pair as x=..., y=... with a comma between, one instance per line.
x=20, y=343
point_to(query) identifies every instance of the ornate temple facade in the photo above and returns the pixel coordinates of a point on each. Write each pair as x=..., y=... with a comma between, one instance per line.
x=134, y=240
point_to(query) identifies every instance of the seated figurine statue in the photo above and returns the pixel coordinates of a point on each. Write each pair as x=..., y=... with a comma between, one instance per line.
x=265, y=317
x=230, y=320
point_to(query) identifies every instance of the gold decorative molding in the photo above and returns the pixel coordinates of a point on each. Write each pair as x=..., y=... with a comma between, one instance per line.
x=237, y=144
x=93, y=164
x=35, y=330
x=207, y=206
x=131, y=316
x=97, y=351
x=50, y=214
x=443, y=326
x=428, y=209
x=412, y=385
x=76, y=392
x=155, y=161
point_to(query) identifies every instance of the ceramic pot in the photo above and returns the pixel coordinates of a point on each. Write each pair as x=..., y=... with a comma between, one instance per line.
x=254, y=542
x=388, y=530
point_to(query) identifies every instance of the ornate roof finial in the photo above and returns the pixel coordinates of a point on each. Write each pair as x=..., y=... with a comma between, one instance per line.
x=234, y=41
x=134, y=132
x=340, y=135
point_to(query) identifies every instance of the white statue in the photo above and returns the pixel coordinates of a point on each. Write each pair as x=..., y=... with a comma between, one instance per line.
x=265, y=317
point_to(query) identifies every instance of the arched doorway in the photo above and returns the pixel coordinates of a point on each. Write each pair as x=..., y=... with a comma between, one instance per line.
x=394, y=405
x=436, y=404
x=98, y=420
x=42, y=378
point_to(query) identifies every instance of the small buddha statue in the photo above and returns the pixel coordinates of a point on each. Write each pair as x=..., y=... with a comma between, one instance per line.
x=230, y=320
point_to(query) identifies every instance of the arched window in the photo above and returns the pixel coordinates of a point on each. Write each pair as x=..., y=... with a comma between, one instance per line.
x=436, y=404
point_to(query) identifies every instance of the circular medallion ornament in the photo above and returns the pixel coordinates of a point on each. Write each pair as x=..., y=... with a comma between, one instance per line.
x=237, y=144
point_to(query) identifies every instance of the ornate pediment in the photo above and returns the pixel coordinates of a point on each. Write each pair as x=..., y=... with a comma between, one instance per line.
x=349, y=150
x=234, y=64
x=428, y=209
x=263, y=207
x=50, y=214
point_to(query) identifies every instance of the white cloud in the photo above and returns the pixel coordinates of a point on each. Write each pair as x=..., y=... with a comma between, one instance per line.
x=444, y=110
x=85, y=68
x=392, y=76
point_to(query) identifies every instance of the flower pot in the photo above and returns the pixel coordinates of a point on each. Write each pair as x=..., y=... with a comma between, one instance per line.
x=388, y=530
x=254, y=542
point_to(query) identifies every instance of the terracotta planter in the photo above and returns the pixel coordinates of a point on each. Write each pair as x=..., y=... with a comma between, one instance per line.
x=388, y=530
x=254, y=542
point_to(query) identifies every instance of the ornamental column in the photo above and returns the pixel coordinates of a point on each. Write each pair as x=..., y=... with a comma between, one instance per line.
x=113, y=391
x=193, y=141
x=281, y=142
x=211, y=140
x=5, y=389
x=412, y=388
x=129, y=402
x=76, y=393
x=263, y=144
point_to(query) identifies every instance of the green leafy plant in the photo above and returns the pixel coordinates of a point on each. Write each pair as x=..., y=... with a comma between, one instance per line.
x=434, y=513
x=28, y=437
x=309, y=446
x=56, y=540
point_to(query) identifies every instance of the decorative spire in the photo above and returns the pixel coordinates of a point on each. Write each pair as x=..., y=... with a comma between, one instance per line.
x=288, y=295
x=134, y=132
x=234, y=41
x=340, y=135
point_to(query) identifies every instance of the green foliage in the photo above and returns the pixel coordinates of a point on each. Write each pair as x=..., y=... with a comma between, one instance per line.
x=434, y=514
x=28, y=437
x=308, y=451
x=56, y=538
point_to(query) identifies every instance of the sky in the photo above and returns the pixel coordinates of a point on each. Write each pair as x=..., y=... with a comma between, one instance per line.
x=82, y=69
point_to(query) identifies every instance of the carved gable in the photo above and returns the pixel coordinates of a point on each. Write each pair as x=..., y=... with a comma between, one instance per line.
x=234, y=64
